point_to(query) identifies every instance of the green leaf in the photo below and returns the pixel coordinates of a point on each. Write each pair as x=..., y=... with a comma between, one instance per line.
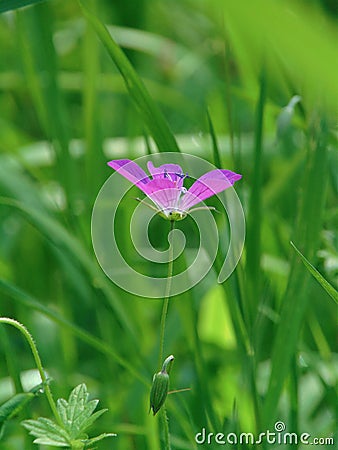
x=314, y=272
x=47, y=432
x=99, y=438
x=215, y=148
x=8, y=5
x=86, y=423
x=16, y=403
x=149, y=111
x=77, y=414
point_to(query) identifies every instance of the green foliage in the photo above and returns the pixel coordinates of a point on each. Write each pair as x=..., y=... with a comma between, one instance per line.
x=83, y=84
x=149, y=111
x=17, y=403
x=321, y=280
x=77, y=415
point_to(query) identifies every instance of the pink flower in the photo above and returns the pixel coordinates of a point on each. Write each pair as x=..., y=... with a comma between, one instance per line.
x=165, y=187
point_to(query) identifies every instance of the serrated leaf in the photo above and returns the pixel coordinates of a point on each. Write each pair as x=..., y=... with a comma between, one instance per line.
x=47, y=432
x=77, y=399
x=62, y=406
x=81, y=420
x=76, y=414
x=90, y=420
x=78, y=395
x=46, y=440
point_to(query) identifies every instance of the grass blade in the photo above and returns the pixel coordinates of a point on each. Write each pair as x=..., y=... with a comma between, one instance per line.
x=149, y=111
x=255, y=207
x=215, y=148
x=307, y=231
x=314, y=272
x=23, y=298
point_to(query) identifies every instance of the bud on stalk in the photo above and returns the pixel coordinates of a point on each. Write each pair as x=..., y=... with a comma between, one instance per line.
x=160, y=386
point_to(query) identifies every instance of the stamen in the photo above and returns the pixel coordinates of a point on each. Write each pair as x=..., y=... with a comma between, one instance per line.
x=166, y=175
x=180, y=175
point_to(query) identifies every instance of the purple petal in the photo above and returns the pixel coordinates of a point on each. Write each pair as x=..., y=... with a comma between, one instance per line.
x=209, y=184
x=172, y=172
x=163, y=192
x=132, y=171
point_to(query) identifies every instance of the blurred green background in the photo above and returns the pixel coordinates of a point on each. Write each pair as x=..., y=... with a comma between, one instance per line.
x=259, y=347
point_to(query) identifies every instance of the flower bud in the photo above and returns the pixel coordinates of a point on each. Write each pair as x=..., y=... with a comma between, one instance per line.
x=160, y=386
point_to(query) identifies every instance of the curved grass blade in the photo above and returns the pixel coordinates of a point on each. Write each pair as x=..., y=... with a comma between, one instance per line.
x=314, y=272
x=60, y=239
x=149, y=111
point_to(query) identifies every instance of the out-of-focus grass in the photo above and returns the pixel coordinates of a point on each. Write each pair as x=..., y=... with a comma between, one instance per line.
x=196, y=80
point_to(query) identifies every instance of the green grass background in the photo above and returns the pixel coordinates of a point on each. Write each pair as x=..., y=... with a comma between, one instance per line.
x=82, y=83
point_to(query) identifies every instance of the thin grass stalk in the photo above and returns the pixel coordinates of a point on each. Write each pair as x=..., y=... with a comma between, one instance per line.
x=255, y=209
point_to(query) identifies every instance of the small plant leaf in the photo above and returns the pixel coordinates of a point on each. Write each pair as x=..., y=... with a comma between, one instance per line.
x=90, y=420
x=16, y=403
x=99, y=438
x=47, y=432
x=77, y=414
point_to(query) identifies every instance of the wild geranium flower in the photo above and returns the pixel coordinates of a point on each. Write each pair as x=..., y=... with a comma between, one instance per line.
x=165, y=186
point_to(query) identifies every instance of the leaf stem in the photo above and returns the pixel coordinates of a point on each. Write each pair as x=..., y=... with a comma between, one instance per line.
x=38, y=362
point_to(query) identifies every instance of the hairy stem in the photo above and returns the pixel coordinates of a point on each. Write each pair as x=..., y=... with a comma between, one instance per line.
x=38, y=362
x=165, y=424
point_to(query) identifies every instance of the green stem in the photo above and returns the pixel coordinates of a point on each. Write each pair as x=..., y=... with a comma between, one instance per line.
x=164, y=417
x=38, y=362
x=165, y=424
x=166, y=299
